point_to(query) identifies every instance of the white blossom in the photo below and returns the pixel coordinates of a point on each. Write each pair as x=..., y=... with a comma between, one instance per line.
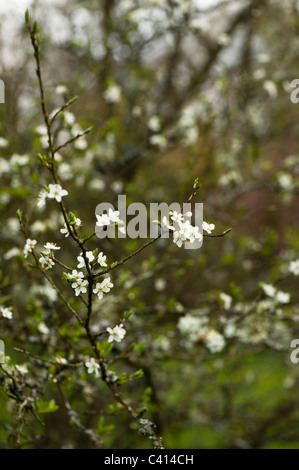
x=116, y=334
x=80, y=283
x=160, y=284
x=176, y=217
x=92, y=367
x=294, y=267
x=270, y=88
x=193, y=326
x=6, y=313
x=43, y=329
x=46, y=261
x=51, y=246
x=179, y=238
x=11, y=253
x=29, y=245
x=208, y=227
x=268, y=289
x=61, y=90
x=65, y=230
x=282, y=297
x=226, y=299
x=111, y=217
x=43, y=194
x=103, y=287
x=112, y=94
x=159, y=140
x=22, y=368
x=3, y=142
x=214, y=341
x=56, y=192
x=89, y=255
x=102, y=259
x=154, y=124
x=69, y=118
x=230, y=330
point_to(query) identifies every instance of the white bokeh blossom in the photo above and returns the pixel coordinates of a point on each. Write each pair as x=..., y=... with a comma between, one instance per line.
x=294, y=267
x=214, y=341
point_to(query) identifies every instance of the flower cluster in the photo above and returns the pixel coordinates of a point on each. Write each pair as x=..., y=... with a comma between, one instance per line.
x=55, y=192
x=29, y=245
x=196, y=328
x=112, y=217
x=278, y=296
x=90, y=257
x=182, y=229
x=78, y=282
x=46, y=259
x=65, y=230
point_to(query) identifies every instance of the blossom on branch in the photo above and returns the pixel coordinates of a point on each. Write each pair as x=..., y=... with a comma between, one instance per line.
x=103, y=287
x=116, y=334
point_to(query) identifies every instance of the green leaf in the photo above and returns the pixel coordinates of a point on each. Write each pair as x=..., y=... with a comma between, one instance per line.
x=102, y=428
x=46, y=406
x=195, y=184
x=42, y=158
x=35, y=28
x=72, y=100
x=27, y=17
x=127, y=314
x=19, y=215
x=123, y=378
x=136, y=375
x=105, y=348
x=89, y=129
x=72, y=219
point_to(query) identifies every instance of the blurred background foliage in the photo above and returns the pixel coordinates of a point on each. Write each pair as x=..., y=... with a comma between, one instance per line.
x=175, y=90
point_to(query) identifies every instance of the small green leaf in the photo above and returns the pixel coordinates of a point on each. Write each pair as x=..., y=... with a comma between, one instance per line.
x=19, y=215
x=123, y=378
x=127, y=314
x=89, y=129
x=105, y=348
x=42, y=158
x=46, y=406
x=136, y=375
x=27, y=17
x=102, y=428
x=35, y=28
x=72, y=219
x=72, y=100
